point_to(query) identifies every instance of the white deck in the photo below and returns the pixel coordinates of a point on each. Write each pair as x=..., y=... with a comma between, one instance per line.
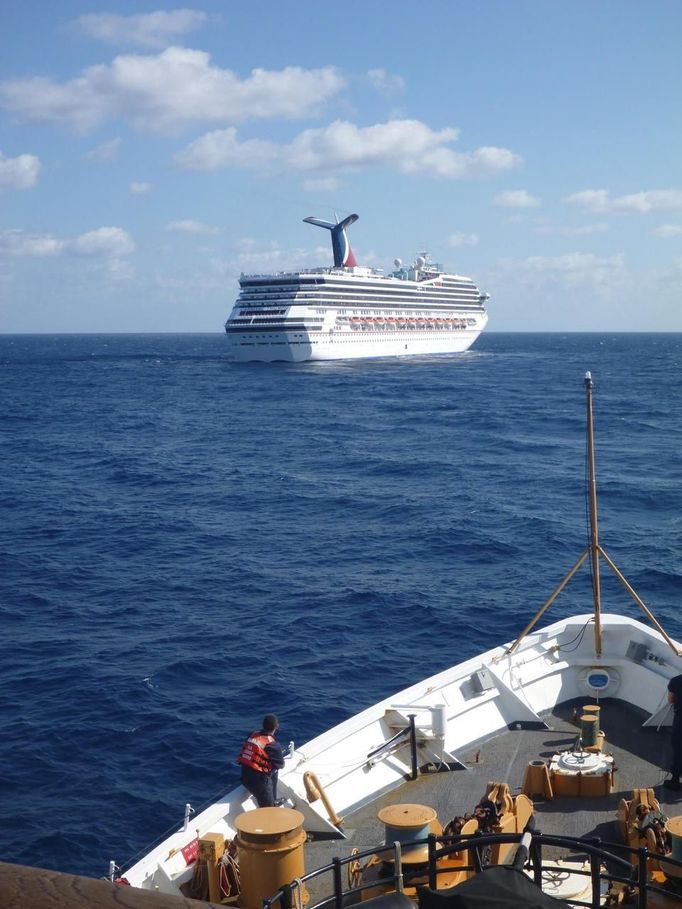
x=456, y=710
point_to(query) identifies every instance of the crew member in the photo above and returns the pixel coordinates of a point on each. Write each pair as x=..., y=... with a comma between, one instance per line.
x=260, y=758
x=675, y=698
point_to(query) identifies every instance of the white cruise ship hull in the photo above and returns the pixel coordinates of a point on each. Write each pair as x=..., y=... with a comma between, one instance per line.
x=347, y=345
x=351, y=312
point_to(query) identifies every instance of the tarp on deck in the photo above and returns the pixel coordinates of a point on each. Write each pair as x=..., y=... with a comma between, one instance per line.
x=498, y=887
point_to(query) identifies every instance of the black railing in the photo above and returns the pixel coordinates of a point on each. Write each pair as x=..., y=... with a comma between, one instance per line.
x=624, y=865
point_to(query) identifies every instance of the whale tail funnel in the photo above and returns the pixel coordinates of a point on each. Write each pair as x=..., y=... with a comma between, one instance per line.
x=343, y=254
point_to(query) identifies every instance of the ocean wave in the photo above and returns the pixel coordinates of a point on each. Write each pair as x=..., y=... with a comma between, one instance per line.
x=188, y=545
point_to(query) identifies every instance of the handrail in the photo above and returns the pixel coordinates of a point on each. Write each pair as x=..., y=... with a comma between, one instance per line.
x=386, y=746
x=397, y=740
x=634, y=871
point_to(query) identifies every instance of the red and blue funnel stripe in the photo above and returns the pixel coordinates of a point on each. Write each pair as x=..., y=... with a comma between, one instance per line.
x=343, y=254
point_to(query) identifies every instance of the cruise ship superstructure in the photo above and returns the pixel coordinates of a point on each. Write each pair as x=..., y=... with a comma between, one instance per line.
x=348, y=311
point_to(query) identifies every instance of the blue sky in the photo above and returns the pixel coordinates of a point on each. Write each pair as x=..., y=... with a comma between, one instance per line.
x=150, y=153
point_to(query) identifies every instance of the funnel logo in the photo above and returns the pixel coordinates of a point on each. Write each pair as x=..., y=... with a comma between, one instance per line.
x=343, y=254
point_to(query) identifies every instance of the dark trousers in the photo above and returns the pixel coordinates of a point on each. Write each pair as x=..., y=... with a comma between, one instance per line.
x=676, y=741
x=262, y=786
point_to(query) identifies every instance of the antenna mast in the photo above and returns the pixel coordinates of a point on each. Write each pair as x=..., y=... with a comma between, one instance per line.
x=594, y=524
x=594, y=551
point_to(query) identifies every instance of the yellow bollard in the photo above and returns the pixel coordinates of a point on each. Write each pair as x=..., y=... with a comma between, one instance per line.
x=270, y=843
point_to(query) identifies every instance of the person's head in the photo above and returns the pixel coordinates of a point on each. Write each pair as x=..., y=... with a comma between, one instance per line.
x=270, y=722
x=675, y=690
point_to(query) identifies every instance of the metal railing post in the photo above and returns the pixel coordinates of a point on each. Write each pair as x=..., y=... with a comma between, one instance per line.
x=642, y=874
x=413, y=745
x=338, y=885
x=433, y=883
x=595, y=875
x=476, y=855
x=398, y=866
x=536, y=851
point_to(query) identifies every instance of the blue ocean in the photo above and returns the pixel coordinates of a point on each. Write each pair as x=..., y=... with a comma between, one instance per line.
x=187, y=544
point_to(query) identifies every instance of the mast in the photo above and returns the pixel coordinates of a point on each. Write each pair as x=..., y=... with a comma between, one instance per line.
x=594, y=524
x=593, y=550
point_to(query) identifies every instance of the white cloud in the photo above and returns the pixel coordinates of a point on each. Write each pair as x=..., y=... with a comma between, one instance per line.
x=188, y=226
x=168, y=91
x=516, y=198
x=668, y=230
x=155, y=29
x=20, y=172
x=108, y=242
x=457, y=240
x=139, y=189
x=408, y=146
x=600, y=202
x=602, y=276
x=107, y=151
x=255, y=257
x=221, y=148
x=21, y=244
x=105, y=246
x=111, y=242
x=119, y=270
x=385, y=82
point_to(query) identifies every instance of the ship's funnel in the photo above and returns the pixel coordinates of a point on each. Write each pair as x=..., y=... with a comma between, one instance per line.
x=343, y=254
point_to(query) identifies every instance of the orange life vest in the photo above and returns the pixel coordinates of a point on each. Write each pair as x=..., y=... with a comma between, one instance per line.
x=253, y=752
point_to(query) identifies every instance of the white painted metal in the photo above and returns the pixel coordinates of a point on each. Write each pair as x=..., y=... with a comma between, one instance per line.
x=352, y=313
x=452, y=714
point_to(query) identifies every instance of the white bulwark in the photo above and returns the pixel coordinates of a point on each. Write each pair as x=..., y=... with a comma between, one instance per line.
x=349, y=311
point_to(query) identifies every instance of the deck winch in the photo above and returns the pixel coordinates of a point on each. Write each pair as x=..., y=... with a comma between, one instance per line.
x=403, y=824
x=585, y=770
x=581, y=773
x=406, y=823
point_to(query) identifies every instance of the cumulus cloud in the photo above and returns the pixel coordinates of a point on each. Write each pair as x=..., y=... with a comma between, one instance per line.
x=256, y=257
x=139, y=189
x=107, y=151
x=21, y=244
x=457, y=240
x=20, y=172
x=600, y=202
x=155, y=29
x=516, y=198
x=104, y=242
x=169, y=91
x=221, y=148
x=188, y=226
x=408, y=146
x=602, y=276
x=385, y=82
x=668, y=230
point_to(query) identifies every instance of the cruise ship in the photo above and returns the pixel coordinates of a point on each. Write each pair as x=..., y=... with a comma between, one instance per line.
x=348, y=311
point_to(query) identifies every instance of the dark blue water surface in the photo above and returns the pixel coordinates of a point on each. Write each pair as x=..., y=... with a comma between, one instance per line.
x=187, y=544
